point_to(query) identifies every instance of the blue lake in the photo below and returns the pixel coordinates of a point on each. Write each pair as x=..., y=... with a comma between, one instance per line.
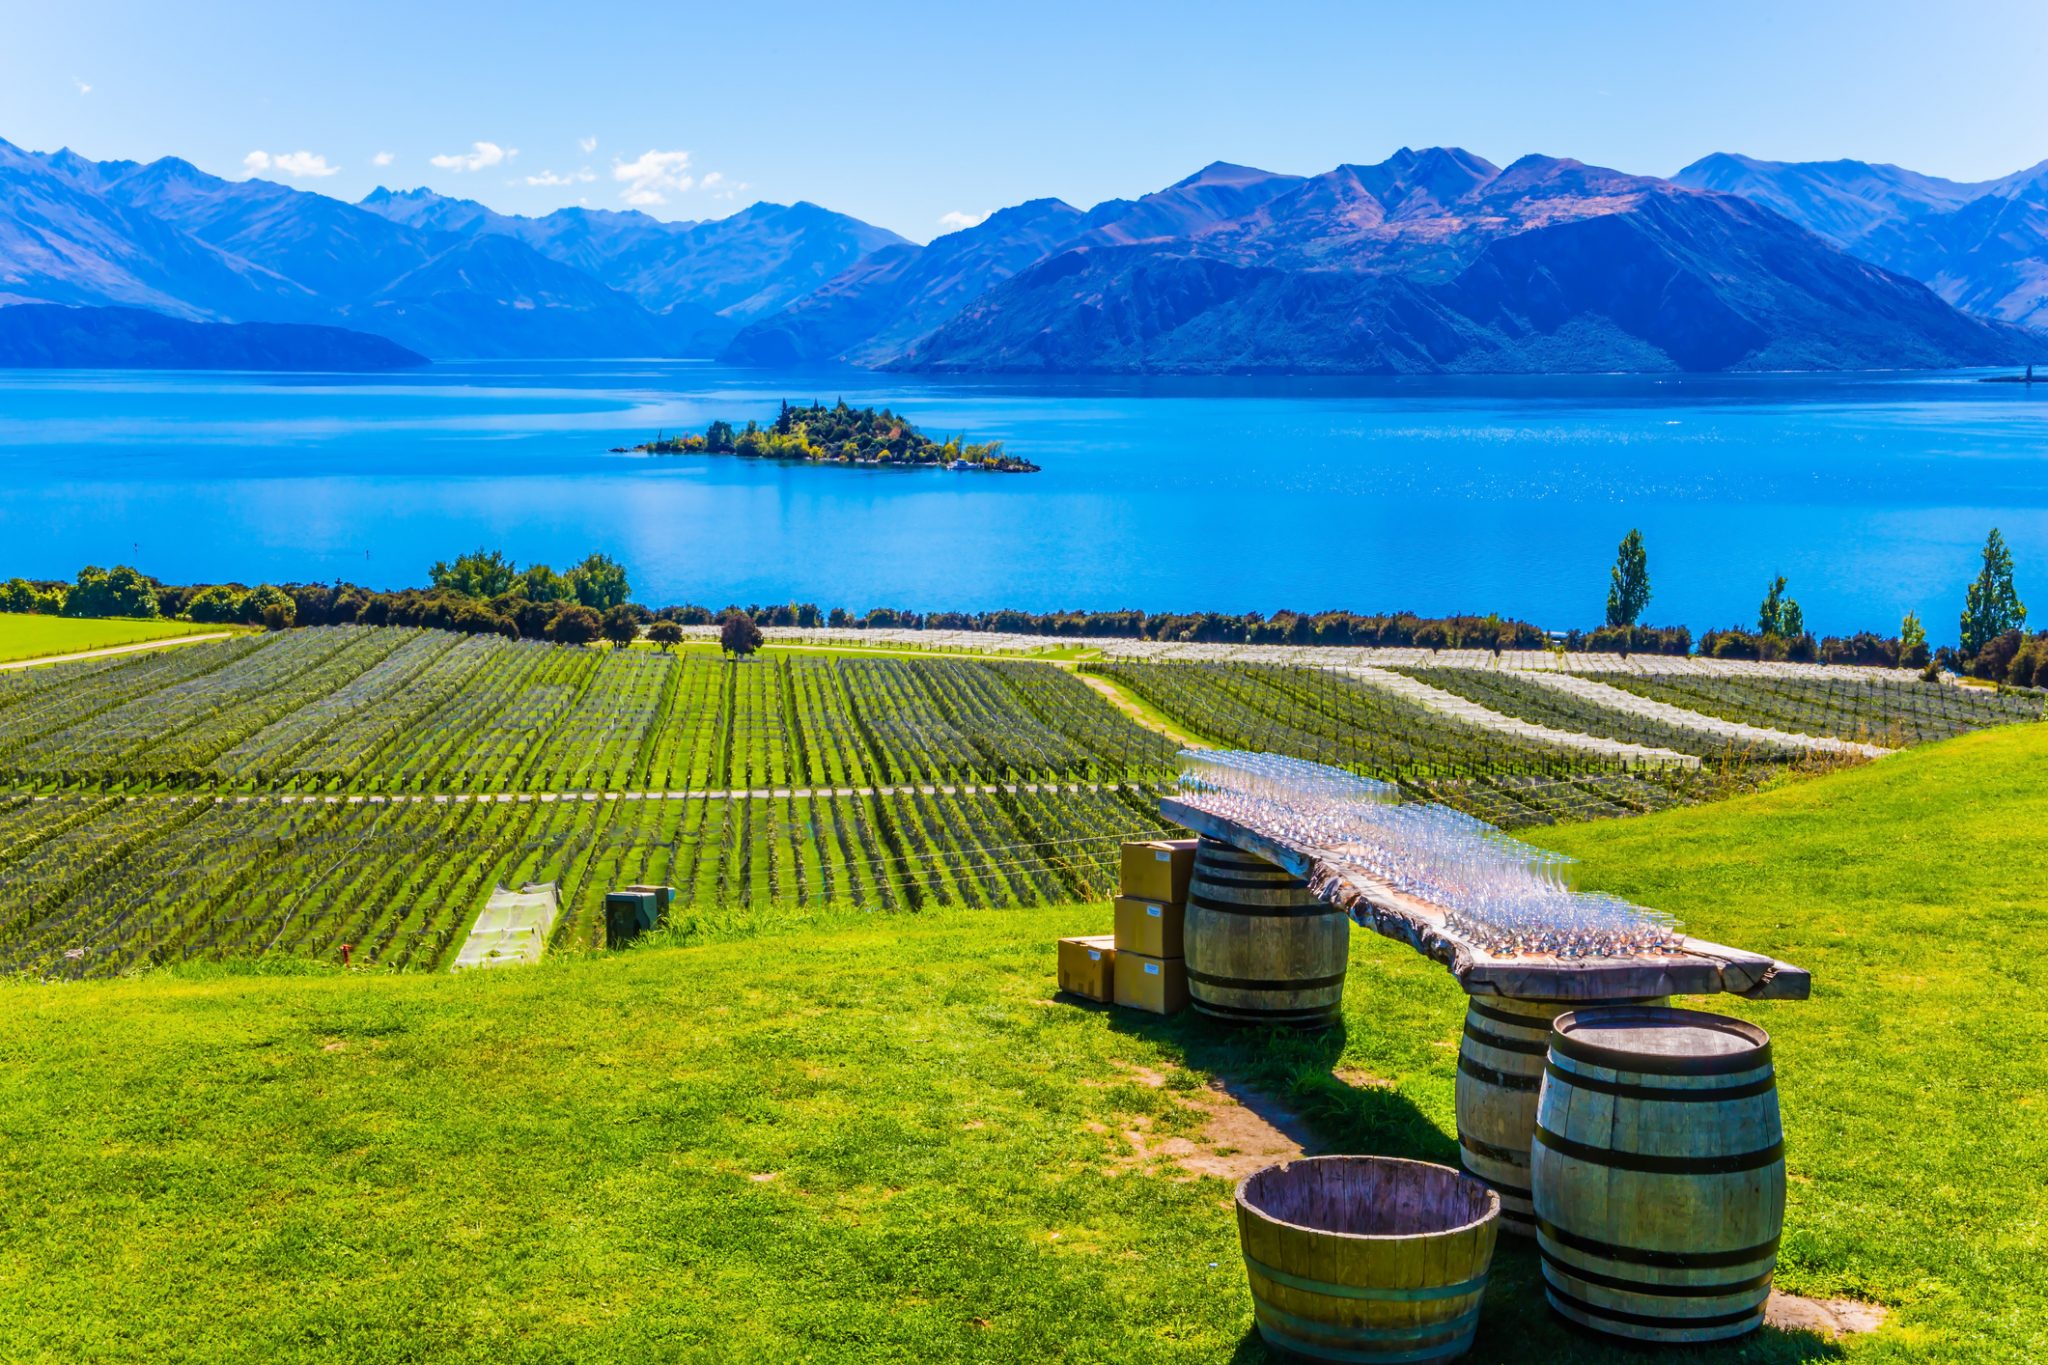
x=1872, y=493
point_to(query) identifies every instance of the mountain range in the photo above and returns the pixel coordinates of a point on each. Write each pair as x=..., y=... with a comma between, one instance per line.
x=1439, y=261
x=442, y=276
x=1982, y=246
x=1431, y=261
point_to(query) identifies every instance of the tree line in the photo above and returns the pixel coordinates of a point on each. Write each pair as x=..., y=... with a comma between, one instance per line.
x=1992, y=643
x=486, y=592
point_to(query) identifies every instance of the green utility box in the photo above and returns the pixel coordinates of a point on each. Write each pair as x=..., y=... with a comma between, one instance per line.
x=627, y=915
x=664, y=897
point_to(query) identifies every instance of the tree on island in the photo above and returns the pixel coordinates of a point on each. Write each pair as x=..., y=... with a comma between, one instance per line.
x=1628, y=591
x=665, y=635
x=738, y=635
x=841, y=435
x=1780, y=615
x=575, y=626
x=1992, y=605
x=621, y=625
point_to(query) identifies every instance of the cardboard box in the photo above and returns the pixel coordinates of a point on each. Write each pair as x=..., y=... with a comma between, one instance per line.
x=1158, y=870
x=1155, y=984
x=1148, y=927
x=1088, y=967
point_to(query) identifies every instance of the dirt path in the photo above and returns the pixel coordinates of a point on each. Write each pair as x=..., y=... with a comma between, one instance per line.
x=1123, y=703
x=1621, y=699
x=164, y=643
x=1461, y=708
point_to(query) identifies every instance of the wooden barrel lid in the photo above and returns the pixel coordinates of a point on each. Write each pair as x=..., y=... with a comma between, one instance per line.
x=1660, y=1040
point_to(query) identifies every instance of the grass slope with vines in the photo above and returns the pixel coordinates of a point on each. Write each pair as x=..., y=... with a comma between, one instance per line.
x=1341, y=720
x=881, y=1139
x=1893, y=714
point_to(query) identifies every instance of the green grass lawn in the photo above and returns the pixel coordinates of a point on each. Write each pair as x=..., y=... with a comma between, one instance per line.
x=32, y=637
x=880, y=1138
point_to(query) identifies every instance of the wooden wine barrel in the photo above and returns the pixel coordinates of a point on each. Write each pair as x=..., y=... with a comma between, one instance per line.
x=1366, y=1258
x=1500, y=1068
x=1260, y=949
x=1658, y=1173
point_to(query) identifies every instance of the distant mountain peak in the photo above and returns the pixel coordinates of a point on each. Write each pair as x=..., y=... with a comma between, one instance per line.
x=1223, y=173
x=384, y=194
x=169, y=172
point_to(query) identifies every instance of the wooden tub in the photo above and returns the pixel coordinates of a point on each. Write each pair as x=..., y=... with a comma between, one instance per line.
x=1365, y=1258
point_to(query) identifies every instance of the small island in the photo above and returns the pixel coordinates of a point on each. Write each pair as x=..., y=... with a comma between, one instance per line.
x=2027, y=378
x=840, y=435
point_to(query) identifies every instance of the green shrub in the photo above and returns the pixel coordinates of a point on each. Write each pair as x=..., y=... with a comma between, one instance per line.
x=1994, y=661
x=1732, y=643
x=1866, y=648
x=20, y=595
x=2030, y=664
x=119, y=591
x=219, y=604
x=271, y=607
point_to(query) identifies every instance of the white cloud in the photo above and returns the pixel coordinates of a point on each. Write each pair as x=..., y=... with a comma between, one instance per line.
x=83, y=88
x=480, y=155
x=650, y=178
x=587, y=144
x=581, y=177
x=382, y=159
x=954, y=221
x=298, y=165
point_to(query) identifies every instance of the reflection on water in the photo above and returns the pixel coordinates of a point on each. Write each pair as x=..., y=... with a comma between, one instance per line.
x=1870, y=492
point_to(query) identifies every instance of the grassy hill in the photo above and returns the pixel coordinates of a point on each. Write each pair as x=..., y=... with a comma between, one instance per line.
x=880, y=1138
x=36, y=637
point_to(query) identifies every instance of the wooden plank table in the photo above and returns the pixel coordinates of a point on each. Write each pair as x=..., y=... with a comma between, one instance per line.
x=1702, y=968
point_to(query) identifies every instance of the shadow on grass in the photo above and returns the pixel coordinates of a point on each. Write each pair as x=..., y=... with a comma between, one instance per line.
x=1293, y=1080
x=1297, y=1072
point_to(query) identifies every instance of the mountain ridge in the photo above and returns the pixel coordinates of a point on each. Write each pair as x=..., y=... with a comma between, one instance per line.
x=1982, y=246
x=167, y=236
x=58, y=336
x=1438, y=261
x=1431, y=259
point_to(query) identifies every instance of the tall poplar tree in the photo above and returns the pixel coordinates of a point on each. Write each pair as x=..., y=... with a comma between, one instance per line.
x=1628, y=589
x=1992, y=606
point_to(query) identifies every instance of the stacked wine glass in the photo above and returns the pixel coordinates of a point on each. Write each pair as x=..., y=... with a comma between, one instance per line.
x=1503, y=895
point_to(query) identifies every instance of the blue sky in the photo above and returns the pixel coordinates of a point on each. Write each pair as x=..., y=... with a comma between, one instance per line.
x=920, y=116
